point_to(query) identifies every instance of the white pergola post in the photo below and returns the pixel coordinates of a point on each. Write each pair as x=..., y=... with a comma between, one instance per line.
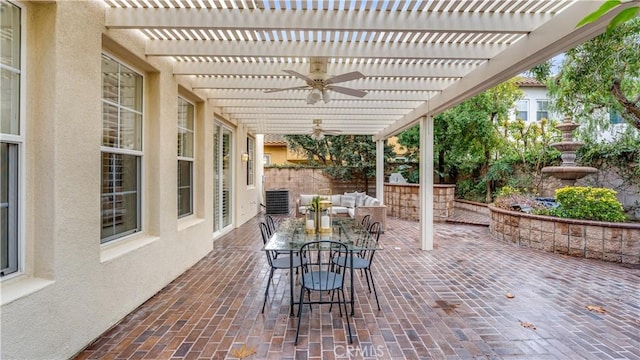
x=426, y=182
x=380, y=170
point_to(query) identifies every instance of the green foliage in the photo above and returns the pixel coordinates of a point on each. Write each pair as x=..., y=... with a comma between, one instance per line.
x=588, y=203
x=621, y=156
x=599, y=76
x=343, y=157
x=609, y=5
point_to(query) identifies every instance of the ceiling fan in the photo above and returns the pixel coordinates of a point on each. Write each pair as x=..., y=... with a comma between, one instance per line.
x=318, y=133
x=320, y=84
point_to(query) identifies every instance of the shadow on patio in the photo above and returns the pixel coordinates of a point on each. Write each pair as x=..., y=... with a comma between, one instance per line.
x=447, y=303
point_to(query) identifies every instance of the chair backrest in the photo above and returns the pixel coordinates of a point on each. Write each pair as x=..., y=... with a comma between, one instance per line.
x=264, y=231
x=374, y=230
x=365, y=221
x=271, y=224
x=319, y=271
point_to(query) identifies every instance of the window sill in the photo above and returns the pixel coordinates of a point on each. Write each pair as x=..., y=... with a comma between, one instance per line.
x=188, y=222
x=117, y=248
x=21, y=286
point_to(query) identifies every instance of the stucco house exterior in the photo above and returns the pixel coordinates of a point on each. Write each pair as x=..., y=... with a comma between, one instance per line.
x=119, y=170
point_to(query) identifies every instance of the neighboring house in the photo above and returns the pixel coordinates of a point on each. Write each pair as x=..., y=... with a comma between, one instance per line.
x=535, y=105
x=277, y=152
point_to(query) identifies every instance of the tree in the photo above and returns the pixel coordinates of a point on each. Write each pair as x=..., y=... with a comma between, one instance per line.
x=610, y=5
x=600, y=76
x=344, y=157
x=466, y=137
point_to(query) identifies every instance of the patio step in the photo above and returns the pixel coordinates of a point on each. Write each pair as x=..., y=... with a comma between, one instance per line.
x=468, y=217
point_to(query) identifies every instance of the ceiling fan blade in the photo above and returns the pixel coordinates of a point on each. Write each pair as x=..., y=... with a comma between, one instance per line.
x=354, y=75
x=299, y=76
x=347, y=91
x=285, y=89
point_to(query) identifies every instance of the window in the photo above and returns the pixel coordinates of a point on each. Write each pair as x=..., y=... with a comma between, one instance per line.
x=522, y=110
x=121, y=150
x=185, y=157
x=12, y=140
x=615, y=117
x=543, y=110
x=250, y=165
x=266, y=159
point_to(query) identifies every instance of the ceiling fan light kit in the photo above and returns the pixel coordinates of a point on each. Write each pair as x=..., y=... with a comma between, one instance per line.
x=321, y=85
x=314, y=96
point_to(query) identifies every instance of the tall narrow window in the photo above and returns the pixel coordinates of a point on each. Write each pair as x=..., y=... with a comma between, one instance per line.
x=543, y=110
x=12, y=140
x=250, y=164
x=121, y=150
x=185, y=157
x=522, y=110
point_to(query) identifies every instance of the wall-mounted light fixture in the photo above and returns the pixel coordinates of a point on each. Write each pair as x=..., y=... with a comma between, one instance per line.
x=244, y=157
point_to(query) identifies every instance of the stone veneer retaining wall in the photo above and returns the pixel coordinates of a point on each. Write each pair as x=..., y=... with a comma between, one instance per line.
x=615, y=242
x=403, y=201
x=472, y=206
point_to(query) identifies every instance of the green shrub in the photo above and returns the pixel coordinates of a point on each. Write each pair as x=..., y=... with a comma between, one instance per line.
x=588, y=203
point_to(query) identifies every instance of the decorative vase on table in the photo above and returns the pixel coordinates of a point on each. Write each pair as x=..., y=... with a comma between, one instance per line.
x=325, y=217
x=311, y=221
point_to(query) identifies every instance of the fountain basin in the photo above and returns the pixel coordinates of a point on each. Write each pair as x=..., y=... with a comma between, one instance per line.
x=569, y=172
x=567, y=146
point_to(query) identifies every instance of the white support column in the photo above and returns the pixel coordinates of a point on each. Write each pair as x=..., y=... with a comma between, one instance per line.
x=380, y=170
x=426, y=182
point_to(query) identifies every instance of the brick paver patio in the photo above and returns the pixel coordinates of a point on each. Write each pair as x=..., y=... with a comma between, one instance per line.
x=449, y=303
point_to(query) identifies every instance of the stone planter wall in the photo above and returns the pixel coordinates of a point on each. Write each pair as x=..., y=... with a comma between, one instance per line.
x=472, y=206
x=615, y=242
x=403, y=201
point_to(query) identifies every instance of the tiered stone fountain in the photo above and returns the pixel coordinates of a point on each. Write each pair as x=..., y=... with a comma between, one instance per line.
x=568, y=172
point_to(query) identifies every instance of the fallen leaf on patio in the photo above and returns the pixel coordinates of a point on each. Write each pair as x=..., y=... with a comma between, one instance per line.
x=527, y=325
x=243, y=352
x=597, y=308
x=510, y=295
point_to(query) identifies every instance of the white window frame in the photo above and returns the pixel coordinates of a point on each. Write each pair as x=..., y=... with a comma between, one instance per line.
x=522, y=106
x=251, y=166
x=266, y=159
x=184, y=158
x=139, y=154
x=17, y=244
x=538, y=111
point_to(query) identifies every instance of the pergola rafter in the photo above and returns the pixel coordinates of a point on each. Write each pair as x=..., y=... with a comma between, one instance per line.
x=418, y=57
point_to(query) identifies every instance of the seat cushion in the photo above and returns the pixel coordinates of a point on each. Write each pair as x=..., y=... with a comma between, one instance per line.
x=321, y=280
x=339, y=210
x=358, y=262
x=283, y=262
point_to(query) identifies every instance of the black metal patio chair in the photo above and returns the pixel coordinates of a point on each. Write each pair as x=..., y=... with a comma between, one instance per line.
x=277, y=261
x=363, y=259
x=320, y=281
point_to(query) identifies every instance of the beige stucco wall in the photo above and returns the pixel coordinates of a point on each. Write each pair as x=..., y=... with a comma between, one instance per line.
x=71, y=288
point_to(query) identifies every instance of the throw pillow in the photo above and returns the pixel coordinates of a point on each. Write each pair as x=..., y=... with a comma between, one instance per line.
x=306, y=199
x=348, y=201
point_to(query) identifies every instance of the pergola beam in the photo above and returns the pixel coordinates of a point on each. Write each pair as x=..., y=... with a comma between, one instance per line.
x=321, y=20
x=305, y=49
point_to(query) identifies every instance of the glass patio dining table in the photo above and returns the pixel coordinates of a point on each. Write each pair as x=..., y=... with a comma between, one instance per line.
x=290, y=235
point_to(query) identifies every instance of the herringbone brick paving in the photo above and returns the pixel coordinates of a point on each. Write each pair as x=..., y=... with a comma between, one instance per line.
x=449, y=303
